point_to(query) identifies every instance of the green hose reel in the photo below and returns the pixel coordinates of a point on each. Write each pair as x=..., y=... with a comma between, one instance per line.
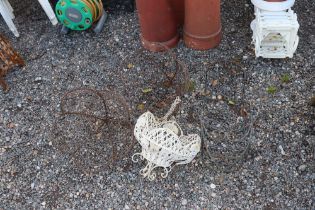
x=79, y=14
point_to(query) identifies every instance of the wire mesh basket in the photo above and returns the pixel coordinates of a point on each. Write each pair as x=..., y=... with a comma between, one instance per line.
x=8, y=59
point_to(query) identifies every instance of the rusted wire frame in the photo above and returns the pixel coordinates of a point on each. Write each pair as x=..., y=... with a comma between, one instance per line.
x=106, y=119
x=81, y=90
x=128, y=123
x=180, y=66
x=247, y=128
x=231, y=160
x=225, y=65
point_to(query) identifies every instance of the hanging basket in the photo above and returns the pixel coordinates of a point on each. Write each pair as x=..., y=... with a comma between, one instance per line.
x=163, y=143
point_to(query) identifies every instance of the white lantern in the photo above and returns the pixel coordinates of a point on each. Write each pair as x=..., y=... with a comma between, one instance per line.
x=163, y=143
x=275, y=29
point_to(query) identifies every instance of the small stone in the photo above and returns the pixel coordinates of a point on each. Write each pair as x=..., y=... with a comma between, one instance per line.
x=213, y=194
x=11, y=125
x=220, y=97
x=38, y=79
x=281, y=150
x=245, y=57
x=43, y=203
x=212, y=186
x=127, y=207
x=33, y=185
x=184, y=202
x=302, y=168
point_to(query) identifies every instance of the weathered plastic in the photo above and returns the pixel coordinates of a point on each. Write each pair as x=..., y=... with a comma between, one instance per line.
x=158, y=24
x=202, y=28
x=7, y=13
x=49, y=11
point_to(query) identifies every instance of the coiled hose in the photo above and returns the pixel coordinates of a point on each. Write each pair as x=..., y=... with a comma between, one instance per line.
x=79, y=14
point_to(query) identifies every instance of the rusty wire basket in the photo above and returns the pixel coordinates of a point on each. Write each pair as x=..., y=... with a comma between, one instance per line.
x=8, y=59
x=94, y=131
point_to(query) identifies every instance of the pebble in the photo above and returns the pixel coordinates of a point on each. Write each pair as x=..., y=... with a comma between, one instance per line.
x=184, y=202
x=212, y=186
x=281, y=150
x=302, y=167
x=38, y=79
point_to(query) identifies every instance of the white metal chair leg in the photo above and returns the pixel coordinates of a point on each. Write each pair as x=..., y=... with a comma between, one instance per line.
x=5, y=12
x=10, y=9
x=49, y=11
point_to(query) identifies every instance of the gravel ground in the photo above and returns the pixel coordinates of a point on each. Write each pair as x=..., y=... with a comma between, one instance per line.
x=276, y=170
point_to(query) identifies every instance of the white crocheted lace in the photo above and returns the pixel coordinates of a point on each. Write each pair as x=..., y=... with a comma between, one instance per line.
x=163, y=143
